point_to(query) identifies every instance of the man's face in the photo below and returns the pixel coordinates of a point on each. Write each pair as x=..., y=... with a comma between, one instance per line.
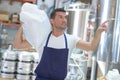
x=60, y=21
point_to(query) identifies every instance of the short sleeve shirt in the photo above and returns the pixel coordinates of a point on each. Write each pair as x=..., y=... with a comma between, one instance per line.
x=59, y=42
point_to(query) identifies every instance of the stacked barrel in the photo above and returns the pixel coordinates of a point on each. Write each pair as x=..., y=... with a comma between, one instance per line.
x=19, y=65
x=9, y=64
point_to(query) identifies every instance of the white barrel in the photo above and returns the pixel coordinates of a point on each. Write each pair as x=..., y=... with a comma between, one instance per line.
x=7, y=75
x=11, y=55
x=33, y=77
x=25, y=56
x=8, y=66
x=35, y=61
x=24, y=68
x=34, y=67
x=23, y=77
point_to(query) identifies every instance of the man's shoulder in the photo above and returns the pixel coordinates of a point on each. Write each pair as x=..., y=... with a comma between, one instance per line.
x=72, y=38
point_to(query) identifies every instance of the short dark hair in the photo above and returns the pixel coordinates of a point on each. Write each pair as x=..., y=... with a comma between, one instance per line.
x=52, y=15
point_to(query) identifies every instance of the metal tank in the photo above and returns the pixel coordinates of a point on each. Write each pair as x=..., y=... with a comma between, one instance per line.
x=78, y=15
x=77, y=22
x=108, y=52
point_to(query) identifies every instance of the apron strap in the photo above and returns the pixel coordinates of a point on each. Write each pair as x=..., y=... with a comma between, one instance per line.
x=65, y=40
x=49, y=38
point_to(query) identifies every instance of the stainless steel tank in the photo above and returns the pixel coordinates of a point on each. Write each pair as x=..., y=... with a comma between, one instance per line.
x=78, y=15
x=108, y=52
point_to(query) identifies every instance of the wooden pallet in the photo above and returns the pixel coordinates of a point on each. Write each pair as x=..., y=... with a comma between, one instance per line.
x=6, y=79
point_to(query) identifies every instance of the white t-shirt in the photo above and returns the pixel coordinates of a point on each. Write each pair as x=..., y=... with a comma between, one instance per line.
x=59, y=42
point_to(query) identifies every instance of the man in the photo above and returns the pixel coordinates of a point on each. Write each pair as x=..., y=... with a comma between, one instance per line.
x=53, y=63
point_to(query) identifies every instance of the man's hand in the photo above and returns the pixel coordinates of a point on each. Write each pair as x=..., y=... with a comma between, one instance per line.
x=102, y=28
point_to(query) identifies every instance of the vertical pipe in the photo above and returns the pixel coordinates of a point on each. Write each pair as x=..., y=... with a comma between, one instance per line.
x=105, y=45
x=116, y=39
x=106, y=38
x=94, y=68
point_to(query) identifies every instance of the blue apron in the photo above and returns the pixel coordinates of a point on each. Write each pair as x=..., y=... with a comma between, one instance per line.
x=53, y=64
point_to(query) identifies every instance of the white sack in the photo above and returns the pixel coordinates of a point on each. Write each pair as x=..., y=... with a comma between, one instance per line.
x=113, y=75
x=36, y=25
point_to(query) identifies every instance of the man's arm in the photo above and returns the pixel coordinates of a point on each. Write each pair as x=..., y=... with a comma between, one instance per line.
x=20, y=43
x=95, y=42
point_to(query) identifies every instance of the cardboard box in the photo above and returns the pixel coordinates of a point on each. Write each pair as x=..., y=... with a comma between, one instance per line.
x=4, y=16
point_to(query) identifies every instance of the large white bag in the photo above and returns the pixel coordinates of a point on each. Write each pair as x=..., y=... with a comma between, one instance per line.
x=36, y=25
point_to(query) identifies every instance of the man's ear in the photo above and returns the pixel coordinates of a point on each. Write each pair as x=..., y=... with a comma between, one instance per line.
x=51, y=21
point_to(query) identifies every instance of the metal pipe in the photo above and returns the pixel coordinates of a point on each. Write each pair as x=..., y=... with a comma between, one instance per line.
x=116, y=39
x=94, y=68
